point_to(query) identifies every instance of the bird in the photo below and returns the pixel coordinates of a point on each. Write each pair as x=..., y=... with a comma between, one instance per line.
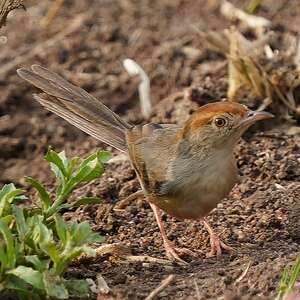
x=184, y=170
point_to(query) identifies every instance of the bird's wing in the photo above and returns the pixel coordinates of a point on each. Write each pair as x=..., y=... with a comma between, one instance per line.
x=151, y=149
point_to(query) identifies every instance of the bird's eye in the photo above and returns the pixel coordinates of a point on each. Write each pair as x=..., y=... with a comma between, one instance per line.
x=220, y=122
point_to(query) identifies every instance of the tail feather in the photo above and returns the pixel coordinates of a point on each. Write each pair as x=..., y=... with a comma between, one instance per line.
x=77, y=106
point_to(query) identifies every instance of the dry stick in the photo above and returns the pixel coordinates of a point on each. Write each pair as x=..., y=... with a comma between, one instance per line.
x=244, y=273
x=123, y=253
x=197, y=289
x=148, y=259
x=44, y=47
x=285, y=100
x=161, y=287
x=125, y=202
x=52, y=12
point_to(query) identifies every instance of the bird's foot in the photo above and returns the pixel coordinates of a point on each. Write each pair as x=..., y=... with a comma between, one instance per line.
x=174, y=253
x=217, y=245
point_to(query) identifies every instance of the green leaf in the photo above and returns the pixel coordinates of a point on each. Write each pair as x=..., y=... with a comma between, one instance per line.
x=20, y=197
x=254, y=6
x=42, y=237
x=7, y=195
x=61, y=228
x=88, y=160
x=87, y=172
x=81, y=233
x=7, y=188
x=101, y=157
x=295, y=272
x=3, y=257
x=64, y=159
x=104, y=156
x=71, y=253
x=33, y=224
x=51, y=249
x=57, y=164
x=43, y=194
x=47, y=243
x=20, y=221
x=78, y=288
x=54, y=286
x=86, y=200
x=72, y=165
x=7, y=219
x=288, y=280
x=96, y=238
x=90, y=171
x=9, y=243
x=16, y=283
x=29, y=275
x=39, y=264
x=39, y=231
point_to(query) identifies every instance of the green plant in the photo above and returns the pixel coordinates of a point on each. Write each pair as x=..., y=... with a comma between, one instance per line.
x=288, y=280
x=254, y=6
x=69, y=173
x=36, y=244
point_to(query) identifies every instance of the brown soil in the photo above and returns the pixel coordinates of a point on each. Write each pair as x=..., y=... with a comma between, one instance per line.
x=260, y=218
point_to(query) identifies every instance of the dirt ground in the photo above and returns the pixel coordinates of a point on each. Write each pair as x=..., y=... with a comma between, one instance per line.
x=261, y=217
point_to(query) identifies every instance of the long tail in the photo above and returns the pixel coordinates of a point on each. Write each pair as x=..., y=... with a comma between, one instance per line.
x=77, y=106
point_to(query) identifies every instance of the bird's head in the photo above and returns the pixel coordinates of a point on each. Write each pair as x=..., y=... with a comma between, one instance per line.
x=221, y=124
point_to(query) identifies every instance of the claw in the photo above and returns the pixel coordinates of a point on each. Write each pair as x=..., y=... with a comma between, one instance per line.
x=174, y=253
x=215, y=243
x=216, y=246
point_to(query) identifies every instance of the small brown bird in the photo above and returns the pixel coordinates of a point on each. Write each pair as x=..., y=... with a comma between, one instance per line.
x=183, y=170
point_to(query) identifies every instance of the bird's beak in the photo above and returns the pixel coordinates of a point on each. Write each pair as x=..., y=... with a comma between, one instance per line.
x=253, y=116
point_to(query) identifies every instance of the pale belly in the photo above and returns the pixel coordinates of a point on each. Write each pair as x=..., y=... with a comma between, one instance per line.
x=198, y=194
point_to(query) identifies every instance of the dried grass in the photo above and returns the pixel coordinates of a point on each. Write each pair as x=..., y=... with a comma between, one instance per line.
x=6, y=6
x=270, y=75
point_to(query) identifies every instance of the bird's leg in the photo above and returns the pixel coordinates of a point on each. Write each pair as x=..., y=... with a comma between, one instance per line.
x=173, y=252
x=216, y=244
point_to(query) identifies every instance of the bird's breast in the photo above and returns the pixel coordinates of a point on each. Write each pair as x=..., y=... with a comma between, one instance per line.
x=197, y=189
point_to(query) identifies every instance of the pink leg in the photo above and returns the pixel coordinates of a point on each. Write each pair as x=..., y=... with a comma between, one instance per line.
x=173, y=252
x=216, y=244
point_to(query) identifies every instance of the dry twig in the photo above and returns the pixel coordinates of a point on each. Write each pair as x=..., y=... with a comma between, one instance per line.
x=148, y=259
x=161, y=287
x=122, y=253
x=197, y=289
x=125, y=202
x=52, y=13
x=244, y=273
